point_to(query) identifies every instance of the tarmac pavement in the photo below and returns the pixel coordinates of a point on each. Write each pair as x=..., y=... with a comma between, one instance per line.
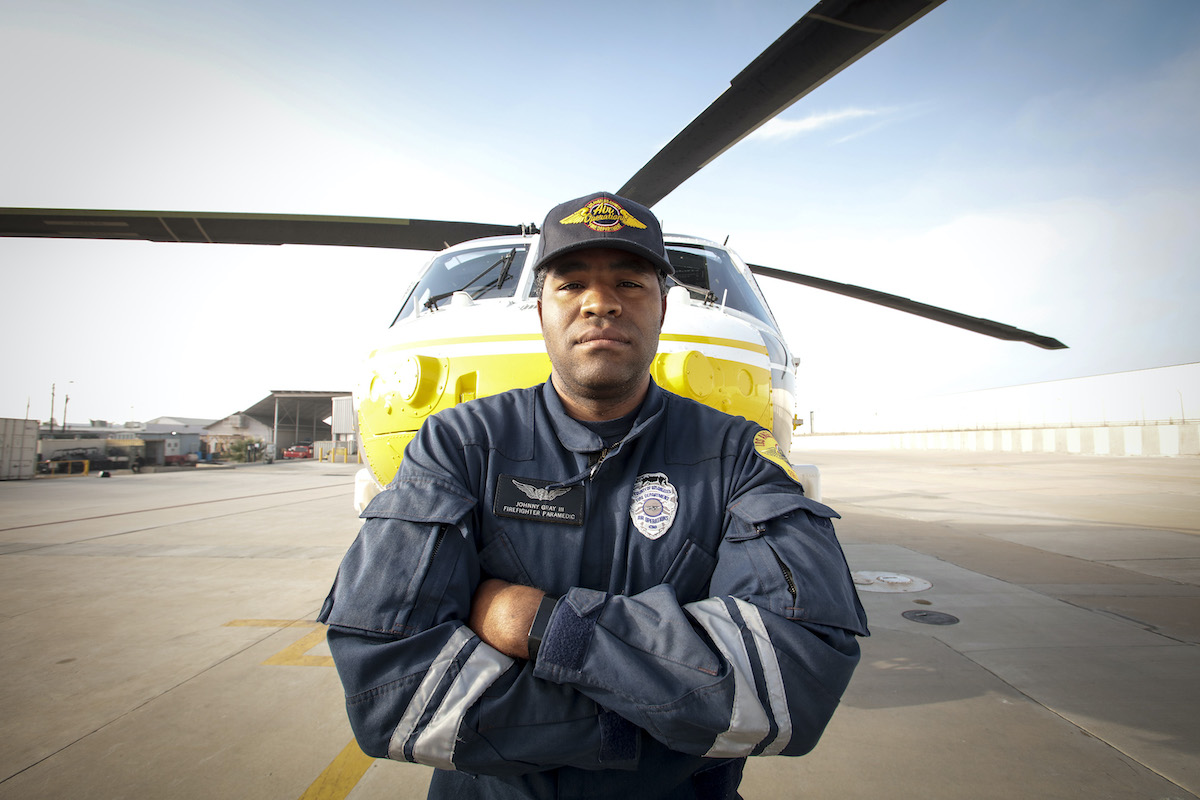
x=159, y=642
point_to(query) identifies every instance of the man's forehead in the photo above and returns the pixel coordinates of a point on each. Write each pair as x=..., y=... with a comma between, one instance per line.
x=590, y=258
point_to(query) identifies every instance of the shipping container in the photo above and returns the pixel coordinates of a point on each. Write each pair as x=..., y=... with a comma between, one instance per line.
x=18, y=449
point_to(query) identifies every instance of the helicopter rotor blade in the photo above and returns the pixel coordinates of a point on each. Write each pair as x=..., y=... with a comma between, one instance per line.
x=977, y=324
x=830, y=37
x=175, y=226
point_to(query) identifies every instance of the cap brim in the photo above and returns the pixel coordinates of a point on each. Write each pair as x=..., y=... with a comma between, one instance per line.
x=601, y=243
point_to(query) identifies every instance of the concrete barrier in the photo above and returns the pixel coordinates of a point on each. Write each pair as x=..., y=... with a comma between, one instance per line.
x=1178, y=439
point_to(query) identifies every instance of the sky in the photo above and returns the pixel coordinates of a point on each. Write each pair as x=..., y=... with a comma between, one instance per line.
x=1028, y=162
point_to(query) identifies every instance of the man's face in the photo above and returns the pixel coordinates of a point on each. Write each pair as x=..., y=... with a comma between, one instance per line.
x=601, y=313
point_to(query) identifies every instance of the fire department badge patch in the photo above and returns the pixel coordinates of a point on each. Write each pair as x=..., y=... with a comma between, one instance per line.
x=653, y=506
x=766, y=446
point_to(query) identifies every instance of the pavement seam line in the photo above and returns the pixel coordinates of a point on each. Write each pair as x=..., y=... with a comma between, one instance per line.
x=154, y=527
x=1065, y=718
x=168, y=508
x=148, y=701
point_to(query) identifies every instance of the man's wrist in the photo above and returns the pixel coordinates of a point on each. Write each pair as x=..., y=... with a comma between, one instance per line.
x=541, y=620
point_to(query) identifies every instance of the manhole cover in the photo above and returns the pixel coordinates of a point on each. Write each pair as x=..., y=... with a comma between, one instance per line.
x=875, y=581
x=930, y=617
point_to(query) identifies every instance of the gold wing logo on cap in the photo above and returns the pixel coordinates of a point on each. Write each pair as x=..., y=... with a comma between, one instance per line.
x=628, y=219
x=602, y=215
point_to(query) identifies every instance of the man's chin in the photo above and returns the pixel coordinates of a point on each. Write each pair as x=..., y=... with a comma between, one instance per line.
x=603, y=385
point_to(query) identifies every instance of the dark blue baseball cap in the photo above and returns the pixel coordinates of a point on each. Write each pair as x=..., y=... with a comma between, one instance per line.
x=603, y=220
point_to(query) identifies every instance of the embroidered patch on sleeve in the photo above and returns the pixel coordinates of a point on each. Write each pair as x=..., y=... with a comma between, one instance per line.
x=766, y=446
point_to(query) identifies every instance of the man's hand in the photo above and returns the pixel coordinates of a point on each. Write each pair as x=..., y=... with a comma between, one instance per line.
x=502, y=613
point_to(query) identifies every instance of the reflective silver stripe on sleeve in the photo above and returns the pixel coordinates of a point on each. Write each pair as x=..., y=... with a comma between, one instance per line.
x=772, y=675
x=435, y=744
x=749, y=722
x=429, y=684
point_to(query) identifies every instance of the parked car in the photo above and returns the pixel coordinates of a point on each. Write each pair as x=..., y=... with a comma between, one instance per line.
x=298, y=451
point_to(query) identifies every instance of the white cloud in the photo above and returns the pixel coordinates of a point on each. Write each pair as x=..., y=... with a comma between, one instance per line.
x=1113, y=278
x=780, y=129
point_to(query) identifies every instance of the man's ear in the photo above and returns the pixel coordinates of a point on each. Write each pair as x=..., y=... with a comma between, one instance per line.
x=539, y=306
x=661, y=319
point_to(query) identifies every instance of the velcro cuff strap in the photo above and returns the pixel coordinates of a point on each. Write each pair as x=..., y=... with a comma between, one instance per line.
x=565, y=644
x=619, y=738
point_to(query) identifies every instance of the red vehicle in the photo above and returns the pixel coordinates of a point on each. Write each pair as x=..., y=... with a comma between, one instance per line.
x=298, y=451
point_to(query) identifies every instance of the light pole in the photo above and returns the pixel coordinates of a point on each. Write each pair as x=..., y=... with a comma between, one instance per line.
x=66, y=399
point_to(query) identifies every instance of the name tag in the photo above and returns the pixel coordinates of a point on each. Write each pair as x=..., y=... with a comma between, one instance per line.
x=528, y=498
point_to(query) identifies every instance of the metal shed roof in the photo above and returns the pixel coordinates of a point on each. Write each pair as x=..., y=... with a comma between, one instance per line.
x=301, y=413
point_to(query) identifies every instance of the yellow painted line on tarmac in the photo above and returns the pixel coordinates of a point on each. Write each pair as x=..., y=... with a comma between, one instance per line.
x=295, y=654
x=341, y=776
x=338, y=779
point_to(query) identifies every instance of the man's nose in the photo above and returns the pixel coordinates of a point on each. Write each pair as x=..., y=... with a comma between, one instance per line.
x=601, y=301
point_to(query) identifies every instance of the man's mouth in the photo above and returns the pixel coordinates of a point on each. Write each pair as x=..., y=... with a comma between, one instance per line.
x=602, y=336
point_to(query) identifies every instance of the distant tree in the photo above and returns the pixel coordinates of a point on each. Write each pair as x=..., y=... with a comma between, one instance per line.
x=245, y=449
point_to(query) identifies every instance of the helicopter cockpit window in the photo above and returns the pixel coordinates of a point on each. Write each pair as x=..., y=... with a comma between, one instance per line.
x=709, y=274
x=487, y=272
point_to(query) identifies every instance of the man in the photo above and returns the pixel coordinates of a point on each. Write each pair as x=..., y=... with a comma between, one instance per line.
x=593, y=588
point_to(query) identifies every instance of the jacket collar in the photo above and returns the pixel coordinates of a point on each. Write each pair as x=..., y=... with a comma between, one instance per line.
x=578, y=438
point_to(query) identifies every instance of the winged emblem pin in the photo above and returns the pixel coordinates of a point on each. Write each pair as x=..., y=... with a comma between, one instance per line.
x=538, y=493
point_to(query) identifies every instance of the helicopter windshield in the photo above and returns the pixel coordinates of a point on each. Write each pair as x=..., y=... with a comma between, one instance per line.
x=708, y=273
x=486, y=272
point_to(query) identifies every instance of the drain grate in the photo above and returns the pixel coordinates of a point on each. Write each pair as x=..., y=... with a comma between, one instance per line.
x=930, y=617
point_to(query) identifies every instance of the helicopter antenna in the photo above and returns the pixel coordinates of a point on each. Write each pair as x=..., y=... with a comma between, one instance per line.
x=726, y=243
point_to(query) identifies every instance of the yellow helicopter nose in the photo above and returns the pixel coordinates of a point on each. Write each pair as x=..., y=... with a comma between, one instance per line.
x=689, y=373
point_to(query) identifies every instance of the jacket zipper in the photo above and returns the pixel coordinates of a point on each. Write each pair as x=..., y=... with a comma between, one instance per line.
x=599, y=461
x=437, y=543
x=787, y=573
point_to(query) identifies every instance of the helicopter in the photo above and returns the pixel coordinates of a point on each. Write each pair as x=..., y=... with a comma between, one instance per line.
x=468, y=326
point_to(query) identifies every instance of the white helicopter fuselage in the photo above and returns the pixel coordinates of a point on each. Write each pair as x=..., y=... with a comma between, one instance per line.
x=469, y=328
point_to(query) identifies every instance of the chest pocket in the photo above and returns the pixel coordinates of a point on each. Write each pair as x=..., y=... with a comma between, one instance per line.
x=690, y=572
x=394, y=579
x=499, y=559
x=793, y=563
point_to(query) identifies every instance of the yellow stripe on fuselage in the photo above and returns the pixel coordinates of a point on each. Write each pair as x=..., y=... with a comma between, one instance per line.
x=740, y=344
x=459, y=340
